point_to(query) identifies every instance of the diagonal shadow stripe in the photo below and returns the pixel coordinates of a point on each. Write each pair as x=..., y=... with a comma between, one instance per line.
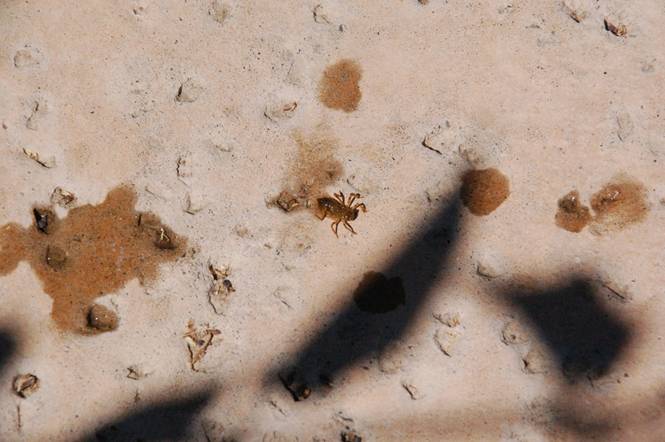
x=380, y=311
x=170, y=420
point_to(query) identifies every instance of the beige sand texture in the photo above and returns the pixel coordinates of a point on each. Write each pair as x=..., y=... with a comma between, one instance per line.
x=432, y=323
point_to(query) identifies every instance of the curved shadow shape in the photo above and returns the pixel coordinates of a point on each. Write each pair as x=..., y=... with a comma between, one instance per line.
x=170, y=420
x=381, y=309
x=585, y=337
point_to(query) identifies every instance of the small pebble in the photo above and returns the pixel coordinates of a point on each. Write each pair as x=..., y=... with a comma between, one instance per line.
x=62, y=198
x=445, y=340
x=450, y=319
x=135, y=372
x=535, y=362
x=26, y=384
x=618, y=29
x=102, y=318
x=412, y=390
x=188, y=92
x=489, y=268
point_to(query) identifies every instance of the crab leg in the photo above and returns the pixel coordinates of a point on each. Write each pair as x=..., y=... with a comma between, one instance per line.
x=348, y=226
x=360, y=206
x=333, y=226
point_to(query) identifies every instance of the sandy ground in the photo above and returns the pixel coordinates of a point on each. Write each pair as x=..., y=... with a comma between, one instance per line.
x=489, y=326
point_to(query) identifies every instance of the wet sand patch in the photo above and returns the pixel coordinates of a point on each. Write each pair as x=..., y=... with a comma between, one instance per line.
x=484, y=190
x=93, y=251
x=339, y=88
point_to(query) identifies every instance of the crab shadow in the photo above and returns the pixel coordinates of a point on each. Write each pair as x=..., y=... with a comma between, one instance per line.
x=381, y=309
x=582, y=333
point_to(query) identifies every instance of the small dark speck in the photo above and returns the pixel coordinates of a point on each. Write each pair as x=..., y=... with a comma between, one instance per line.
x=605, y=73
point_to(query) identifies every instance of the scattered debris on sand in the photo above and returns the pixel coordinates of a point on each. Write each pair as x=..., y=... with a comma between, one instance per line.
x=313, y=170
x=320, y=16
x=442, y=138
x=413, y=391
x=297, y=386
x=48, y=162
x=615, y=292
x=45, y=219
x=37, y=113
x=62, y=198
x=350, y=436
x=183, y=168
x=198, y=342
x=618, y=29
x=189, y=91
x=489, y=266
x=135, y=372
x=25, y=384
x=451, y=320
x=192, y=206
x=286, y=201
x=221, y=288
x=277, y=112
x=574, y=11
x=513, y=333
x=446, y=339
x=535, y=362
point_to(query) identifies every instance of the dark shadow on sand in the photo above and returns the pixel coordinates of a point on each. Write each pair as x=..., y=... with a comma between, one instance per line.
x=170, y=420
x=584, y=336
x=380, y=310
x=7, y=347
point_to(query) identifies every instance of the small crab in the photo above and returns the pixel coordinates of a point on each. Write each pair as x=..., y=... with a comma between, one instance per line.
x=339, y=210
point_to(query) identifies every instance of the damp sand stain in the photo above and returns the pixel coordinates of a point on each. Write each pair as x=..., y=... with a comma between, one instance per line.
x=618, y=204
x=378, y=294
x=93, y=251
x=312, y=171
x=484, y=190
x=339, y=88
x=572, y=215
